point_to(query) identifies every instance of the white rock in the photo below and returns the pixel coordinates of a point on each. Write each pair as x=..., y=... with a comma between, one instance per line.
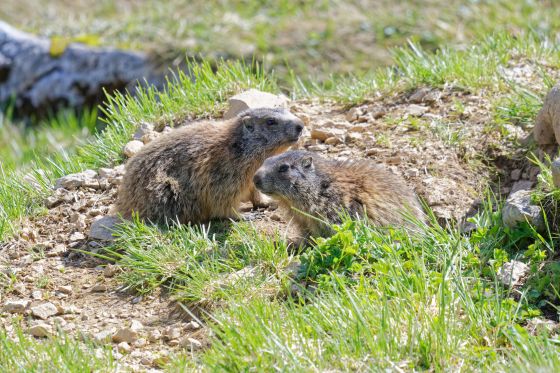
x=132, y=148
x=155, y=335
x=37, y=294
x=512, y=272
x=518, y=208
x=124, y=348
x=555, y=168
x=136, y=326
x=416, y=110
x=15, y=306
x=74, y=181
x=110, y=270
x=252, y=99
x=40, y=330
x=44, y=311
x=101, y=229
x=76, y=236
x=104, y=335
x=191, y=343
x=65, y=289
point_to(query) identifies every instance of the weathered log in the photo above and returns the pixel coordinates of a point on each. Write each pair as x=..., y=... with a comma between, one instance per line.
x=37, y=80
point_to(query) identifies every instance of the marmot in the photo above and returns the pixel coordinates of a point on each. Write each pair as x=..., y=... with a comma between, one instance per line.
x=202, y=171
x=324, y=188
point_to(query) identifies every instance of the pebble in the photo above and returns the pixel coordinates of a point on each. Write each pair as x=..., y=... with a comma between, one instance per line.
x=37, y=294
x=15, y=306
x=99, y=288
x=132, y=148
x=125, y=335
x=124, y=347
x=155, y=335
x=65, y=289
x=40, y=330
x=110, y=270
x=104, y=335
x=44, y=311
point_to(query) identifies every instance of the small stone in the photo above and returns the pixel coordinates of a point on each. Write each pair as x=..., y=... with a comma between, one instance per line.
x=276, y=217
x=102, y=229
x=77, y=236
x=173, y=342
x=555, y=168
x=192, y=325
x=107, y=173
x=74, y=181
x=333, y=141
x=172, y=333
x=154, y=336
x=149, y=137
x=416, y=110
x=132, y=148
x=353, y=137
x=251, y=99
x=191, y=343
x=20, y=289
x=40, y=330
x=52, y=202
x=323, y=133
x=44, y=311
x=353, y=114
x=110, y=270
x=15, y=306
x=125, y=335
x=99, y=288
x=518, y=208
x=141, y=342
x=512, y=273
x=124, y=348
x=65, y=289
x=412, y=172
x=57, y=250
x=104, y=335
x=136, y=326
x=37, y=295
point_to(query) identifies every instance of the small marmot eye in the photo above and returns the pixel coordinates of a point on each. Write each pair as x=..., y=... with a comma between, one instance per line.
x=271, y=121
x=283, y=168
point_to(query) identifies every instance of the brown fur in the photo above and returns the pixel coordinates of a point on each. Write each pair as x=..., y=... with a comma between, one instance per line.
x=323, y=189
x=203, y=171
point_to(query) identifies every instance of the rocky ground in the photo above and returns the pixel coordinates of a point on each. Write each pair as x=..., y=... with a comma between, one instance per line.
x=436, y=139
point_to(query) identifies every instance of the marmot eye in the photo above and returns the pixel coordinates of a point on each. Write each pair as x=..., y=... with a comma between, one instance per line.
x=271, y=121
x=283, y=168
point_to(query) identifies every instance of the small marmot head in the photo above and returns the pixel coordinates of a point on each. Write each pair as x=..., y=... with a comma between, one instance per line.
x=269, y=128
x=291, y=176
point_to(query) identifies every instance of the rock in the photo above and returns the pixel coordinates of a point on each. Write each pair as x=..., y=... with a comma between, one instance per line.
x=253, y=99
x=141, y=342
x=15, y=306
x=143, y=129
x=518, y=208
x=154, y=336
x=77, y=236
x=353, y=114
x=110, y=270
x=132, y=148
x=191, y=343
x=354, y=138
x=124, y=348
x=19, y=289
x=37, y=294
x=323, y=133
x=512, y=272
x=547, y=123
x=40, y=330
x=538, y=325
x=44, y=311
x=333, y=141
x=416, y=110
x=52, y=202
x=424, y=95
x=102, y=229
x=99, y=288
x=192, y=325
x=74, y=181
x=57, y=250
x=149, y=137
x=65, y=289
x=125, y=335
x=104, y=335
x=171, y=333
x=136, y=326
x=555, y=169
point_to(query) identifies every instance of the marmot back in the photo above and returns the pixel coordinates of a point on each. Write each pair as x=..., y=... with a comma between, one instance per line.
x=324, y=188
x=202, y=171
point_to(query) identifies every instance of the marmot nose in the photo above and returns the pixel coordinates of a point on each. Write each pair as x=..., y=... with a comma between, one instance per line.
x=299, y=128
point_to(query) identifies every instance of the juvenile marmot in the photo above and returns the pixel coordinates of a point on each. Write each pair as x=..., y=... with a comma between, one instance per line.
x=323, y=188
x=203, y=171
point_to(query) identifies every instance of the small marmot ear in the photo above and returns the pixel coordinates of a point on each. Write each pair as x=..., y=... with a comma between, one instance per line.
x=307, y=162
x=246, y=120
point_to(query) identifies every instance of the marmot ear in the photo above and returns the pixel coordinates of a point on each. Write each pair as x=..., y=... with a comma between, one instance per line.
x=307, y=162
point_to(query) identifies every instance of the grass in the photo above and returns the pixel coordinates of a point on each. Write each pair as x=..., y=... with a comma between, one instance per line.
x=364, y=299
x=315, y=39
x=21, y=353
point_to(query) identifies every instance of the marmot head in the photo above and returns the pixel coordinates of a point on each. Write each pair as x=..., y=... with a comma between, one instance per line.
x=291, y=176
x=269, y=128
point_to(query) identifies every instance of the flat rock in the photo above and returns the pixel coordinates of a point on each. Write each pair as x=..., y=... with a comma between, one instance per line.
x=323, y=133
x=416, y=110
x=44, y=311
x=125, y=335
x=252, y=99
x=102, y=229
x=132, y=148
x=15, y=306
x=547, y=123
x=104, y=335
x=518, y=208
x=74, y=181
x=512, y=273
x=143, y=129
